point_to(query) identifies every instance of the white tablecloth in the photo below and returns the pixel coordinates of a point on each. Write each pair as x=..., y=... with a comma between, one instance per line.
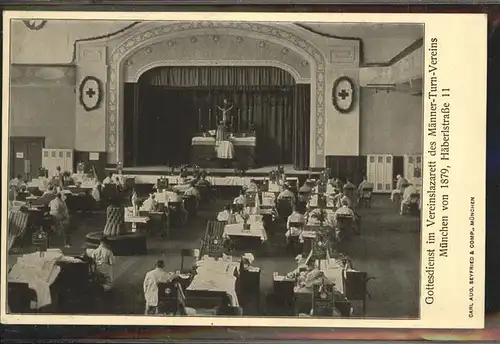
x=236, y=229
x=216, y=276
x=129, y=216
x=252, y=218
x=237, y=141
x=274, y=187
x=225, y=150
x=313, y=202
x=39, y=273
x=335, y=272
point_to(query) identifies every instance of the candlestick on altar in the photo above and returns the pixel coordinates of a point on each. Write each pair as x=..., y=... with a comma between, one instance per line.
x=199, y=120
x=239, y=120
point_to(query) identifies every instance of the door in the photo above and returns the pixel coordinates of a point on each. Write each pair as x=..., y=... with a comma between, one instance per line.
x=379, y=172
x=26, y=156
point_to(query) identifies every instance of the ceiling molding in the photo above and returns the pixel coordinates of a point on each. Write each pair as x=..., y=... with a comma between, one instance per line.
x=95, y=38
x=345, y=38
x=399, y=56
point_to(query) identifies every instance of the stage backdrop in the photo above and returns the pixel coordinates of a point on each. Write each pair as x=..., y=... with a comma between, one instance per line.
x=169, y=105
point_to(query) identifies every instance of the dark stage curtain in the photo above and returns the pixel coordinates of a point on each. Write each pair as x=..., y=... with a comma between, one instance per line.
x=301, y=126
x=163, y=118
x=218, y=76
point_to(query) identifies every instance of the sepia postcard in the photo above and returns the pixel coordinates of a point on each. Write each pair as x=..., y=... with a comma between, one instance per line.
x=244, y=169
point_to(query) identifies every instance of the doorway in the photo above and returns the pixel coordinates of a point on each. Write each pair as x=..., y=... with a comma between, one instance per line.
x=26, y=156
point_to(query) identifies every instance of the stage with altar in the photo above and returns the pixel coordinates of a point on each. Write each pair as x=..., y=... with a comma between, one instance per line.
x=204, y=151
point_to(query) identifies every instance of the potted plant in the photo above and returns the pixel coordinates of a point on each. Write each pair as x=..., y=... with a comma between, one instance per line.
x=245, y=216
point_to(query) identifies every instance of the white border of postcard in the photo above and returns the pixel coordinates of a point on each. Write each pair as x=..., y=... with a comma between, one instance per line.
x=451, y=287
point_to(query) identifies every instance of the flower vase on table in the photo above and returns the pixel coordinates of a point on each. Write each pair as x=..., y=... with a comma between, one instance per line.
x=245, y=216
x=134, y=204
x=246, y=225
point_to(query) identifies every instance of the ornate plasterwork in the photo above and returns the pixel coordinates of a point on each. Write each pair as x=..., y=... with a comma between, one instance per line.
x=130, y=45
x=293, y=72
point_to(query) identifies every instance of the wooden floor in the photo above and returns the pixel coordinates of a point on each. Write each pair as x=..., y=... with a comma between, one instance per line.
x=389, y=250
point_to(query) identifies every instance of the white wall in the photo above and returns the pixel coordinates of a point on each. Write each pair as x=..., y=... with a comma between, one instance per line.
x=54, y=44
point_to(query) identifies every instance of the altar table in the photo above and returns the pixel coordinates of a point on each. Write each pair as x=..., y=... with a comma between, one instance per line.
x=204, y=149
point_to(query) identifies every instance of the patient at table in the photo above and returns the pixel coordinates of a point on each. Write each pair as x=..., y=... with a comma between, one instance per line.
x=295, y=217
x=252, y=186
x=287, y=193
x=241, y=199
x=151, y=204
x=226, y=215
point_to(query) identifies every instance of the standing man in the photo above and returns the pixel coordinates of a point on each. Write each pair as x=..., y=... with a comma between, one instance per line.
x=150, y=286
x=59, y=213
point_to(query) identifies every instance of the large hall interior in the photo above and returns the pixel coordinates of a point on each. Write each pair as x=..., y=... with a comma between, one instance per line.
x=215, y=168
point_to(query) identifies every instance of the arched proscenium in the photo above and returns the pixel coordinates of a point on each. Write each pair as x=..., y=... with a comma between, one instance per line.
x=276, y=34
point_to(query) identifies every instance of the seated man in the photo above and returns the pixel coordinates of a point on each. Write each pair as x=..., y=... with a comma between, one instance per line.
x=203, y=181
x=341, y=197
x=108, y=179
x=241, y=199
x=407, y=195
x=15, y=186
x=252, y=187
x=176, y=198
x=295, y=218
x=150, y=286
x=192, y=190
x=400, y=183
x=286, y=193
x=151, y=204
x=365, y=184
x=226, y=214
x=344, y=210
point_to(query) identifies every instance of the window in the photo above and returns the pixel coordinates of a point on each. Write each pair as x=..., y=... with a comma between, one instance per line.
x=410, y=160
x=419, y=159
x=372, y=160
x=388, y=187
x=379, y=186
x=53, y=154
x=380, y=159
x=68, y=154
x=45, y=154
x=61, y=154
x=388, y=160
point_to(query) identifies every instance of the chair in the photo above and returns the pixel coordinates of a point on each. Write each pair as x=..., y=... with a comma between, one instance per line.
x=356, y=287
x=345, y=225
x=365, y=197
x=191, y=204
x=250, y=198
x=176, y=213
x=412, y=207
x=285, y=207
x=18, y=221
x=169, y=301
x=213, y=233
x=284, y=296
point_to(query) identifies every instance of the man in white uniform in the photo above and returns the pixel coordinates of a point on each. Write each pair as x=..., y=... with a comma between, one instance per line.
x=150, y=286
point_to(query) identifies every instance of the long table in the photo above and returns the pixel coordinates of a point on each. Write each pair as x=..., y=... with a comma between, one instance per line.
x=204, y=150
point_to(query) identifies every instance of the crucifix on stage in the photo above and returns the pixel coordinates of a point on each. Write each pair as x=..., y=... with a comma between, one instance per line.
x=226, y=120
